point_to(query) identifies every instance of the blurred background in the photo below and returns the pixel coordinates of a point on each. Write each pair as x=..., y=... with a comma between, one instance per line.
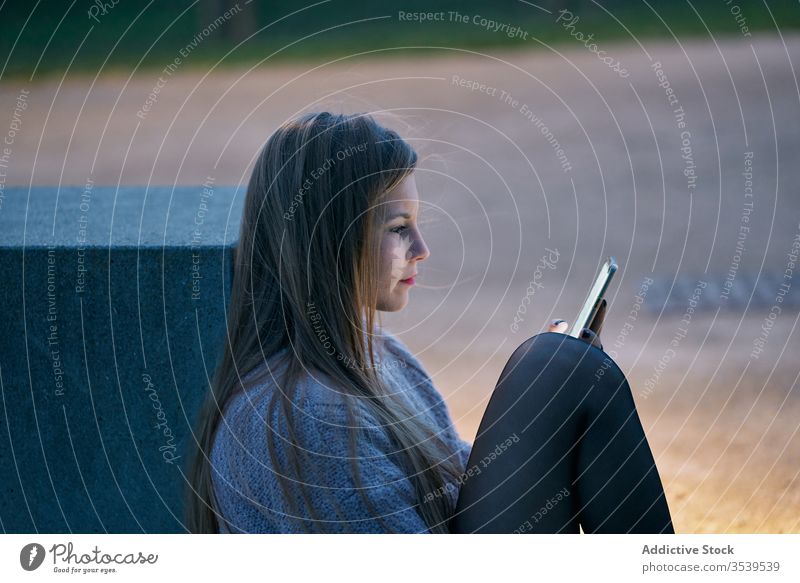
x=551, y=135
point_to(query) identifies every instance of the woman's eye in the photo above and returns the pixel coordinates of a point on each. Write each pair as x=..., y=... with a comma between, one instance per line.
x=399, y=229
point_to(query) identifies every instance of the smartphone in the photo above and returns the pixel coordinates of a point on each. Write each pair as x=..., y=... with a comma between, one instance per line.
x=592, y=303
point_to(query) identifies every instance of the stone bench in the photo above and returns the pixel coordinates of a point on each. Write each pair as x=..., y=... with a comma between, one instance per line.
x=114, y=314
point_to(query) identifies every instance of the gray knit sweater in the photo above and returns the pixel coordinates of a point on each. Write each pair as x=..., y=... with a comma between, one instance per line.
x=246, y=487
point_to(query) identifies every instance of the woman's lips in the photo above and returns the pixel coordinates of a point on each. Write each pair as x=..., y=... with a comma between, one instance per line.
x=409, y=281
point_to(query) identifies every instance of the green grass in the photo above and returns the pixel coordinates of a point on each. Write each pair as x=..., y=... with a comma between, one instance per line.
x=374, y=35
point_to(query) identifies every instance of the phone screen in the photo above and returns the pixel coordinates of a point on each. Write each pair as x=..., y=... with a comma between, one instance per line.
x=589, y=309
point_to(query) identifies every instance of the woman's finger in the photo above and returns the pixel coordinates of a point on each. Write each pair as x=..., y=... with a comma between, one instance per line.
x=588, y=335
x=558, y=325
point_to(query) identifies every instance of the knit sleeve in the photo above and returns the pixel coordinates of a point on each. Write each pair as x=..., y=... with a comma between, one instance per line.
x=254, y=476
x=384, y=483
x=418, y=377
x=465, y=448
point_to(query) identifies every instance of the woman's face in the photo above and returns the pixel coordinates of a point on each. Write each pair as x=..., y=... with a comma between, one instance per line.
x=401, y=246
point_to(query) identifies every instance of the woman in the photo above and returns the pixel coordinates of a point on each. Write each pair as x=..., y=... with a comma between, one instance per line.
x=321, y=421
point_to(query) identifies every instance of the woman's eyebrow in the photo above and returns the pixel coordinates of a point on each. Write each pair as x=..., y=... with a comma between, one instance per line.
x=394, y=216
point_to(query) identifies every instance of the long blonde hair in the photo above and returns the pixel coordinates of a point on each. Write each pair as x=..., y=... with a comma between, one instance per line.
x=292, y=227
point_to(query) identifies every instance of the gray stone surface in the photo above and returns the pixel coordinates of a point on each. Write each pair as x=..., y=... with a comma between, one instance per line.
x=114, y=310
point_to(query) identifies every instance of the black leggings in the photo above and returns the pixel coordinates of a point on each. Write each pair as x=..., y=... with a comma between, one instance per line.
x=561, y=445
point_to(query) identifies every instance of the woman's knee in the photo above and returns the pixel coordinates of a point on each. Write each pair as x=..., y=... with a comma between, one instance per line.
x=552, y=366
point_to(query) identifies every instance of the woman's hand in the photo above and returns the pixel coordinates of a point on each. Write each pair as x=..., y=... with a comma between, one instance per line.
x=590, y=334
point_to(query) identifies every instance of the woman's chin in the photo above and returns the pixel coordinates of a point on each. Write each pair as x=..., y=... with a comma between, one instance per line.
x=397, y=301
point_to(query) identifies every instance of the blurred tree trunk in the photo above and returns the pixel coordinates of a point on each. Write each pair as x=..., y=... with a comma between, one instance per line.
x=241, y=25
x=206, y=11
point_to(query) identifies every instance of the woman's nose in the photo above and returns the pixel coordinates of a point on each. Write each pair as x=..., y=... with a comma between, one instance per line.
x=420, y=249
